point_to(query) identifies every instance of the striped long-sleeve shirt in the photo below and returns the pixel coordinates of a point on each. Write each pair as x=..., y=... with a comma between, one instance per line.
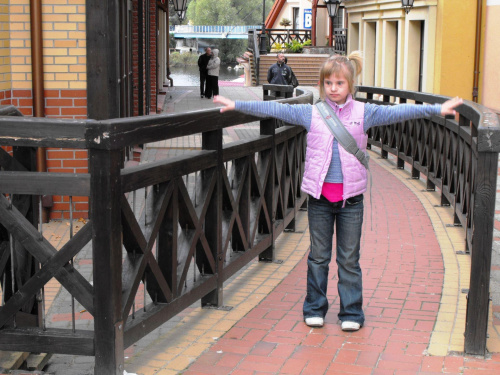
x=301, y=114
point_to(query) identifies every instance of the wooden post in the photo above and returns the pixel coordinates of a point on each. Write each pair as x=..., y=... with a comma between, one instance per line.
x=213, y=220
x=313, y=25
x=476, y=323
x=103, y=88
x=105, y=196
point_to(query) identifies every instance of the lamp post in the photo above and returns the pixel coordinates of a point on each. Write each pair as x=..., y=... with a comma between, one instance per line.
x=332, y=7
x=263, y=35
x=180, y=7
x=407, y=5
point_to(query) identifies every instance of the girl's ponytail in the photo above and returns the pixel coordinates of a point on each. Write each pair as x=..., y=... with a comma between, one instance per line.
x=356, y=58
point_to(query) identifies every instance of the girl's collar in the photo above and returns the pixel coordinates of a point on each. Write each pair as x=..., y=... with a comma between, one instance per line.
x=336, y=106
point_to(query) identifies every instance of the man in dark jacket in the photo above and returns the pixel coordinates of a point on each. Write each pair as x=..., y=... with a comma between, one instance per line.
x=202, y=64
x=279, y=73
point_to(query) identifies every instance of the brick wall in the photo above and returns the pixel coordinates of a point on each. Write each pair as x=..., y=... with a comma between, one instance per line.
x=65, y=75
x=153, y=57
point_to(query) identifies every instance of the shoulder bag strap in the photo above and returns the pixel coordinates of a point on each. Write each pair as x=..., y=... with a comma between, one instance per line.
x=342, y=135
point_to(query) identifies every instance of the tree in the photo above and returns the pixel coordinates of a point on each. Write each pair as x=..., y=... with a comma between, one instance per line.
x=227, y=13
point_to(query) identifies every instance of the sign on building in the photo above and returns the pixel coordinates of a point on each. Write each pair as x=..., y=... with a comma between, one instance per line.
x=307, y=18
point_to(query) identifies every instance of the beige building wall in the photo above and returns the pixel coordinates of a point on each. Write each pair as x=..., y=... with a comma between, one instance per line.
x=390, y=40
x=489, y=94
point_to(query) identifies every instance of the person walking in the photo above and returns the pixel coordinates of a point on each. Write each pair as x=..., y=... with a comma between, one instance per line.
x=213, y=75
x=335, y=179
x=279, y=73
x=202, y=64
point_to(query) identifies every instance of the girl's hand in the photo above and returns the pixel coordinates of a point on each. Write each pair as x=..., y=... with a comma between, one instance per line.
x=448, y=107
x=228, y=104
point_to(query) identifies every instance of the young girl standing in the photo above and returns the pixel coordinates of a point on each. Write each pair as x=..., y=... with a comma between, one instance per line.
x=335, y=180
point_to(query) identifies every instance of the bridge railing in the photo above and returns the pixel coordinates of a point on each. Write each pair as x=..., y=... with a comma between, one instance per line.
x=215, y=29
x=162, y=234
x=460, y=158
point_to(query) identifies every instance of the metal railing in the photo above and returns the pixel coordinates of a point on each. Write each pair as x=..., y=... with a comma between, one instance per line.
x=282, y=36
x=340, y=38
x=163, y=234
x=460, y=158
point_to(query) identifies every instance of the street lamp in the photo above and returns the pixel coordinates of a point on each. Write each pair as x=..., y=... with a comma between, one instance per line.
x=407, y=5
x=263, y=36
x=181, y=15
x=180, y=7
x=333, y=7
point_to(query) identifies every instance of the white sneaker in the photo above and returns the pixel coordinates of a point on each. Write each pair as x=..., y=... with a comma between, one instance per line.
x=350, y=326
x=315, y=321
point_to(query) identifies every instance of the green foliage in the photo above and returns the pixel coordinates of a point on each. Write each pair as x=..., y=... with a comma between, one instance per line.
x=226, y=13
x=285, y=22
x=296, y=46
x=181, y=59
x=277, y=47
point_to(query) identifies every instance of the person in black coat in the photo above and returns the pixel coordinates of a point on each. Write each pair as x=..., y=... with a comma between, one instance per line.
x=279, y=73
x=202, y=64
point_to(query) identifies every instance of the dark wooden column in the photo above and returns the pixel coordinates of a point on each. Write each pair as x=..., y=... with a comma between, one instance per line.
x=313, y=26
x=213, y=221
x=478, y=299
x=268, y=127
x=105, y=212
x=103, y=91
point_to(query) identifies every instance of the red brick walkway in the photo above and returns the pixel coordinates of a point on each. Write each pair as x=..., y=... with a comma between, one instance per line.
x=403, y=277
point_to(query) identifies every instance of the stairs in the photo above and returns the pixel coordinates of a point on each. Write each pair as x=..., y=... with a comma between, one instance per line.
x=305, y=66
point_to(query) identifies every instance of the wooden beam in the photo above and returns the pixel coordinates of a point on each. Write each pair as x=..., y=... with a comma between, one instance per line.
x=44, y=183
x=105, y=208
x=103, y=69
x=54, y=340
x=42, y=132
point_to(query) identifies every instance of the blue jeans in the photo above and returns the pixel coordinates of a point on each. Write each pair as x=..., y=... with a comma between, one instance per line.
x=323, y=215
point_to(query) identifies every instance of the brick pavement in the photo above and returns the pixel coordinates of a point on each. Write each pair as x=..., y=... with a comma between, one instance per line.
x=412, y=287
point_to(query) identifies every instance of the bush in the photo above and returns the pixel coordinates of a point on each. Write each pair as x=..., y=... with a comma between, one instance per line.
x=181, y=59
x=296, y=46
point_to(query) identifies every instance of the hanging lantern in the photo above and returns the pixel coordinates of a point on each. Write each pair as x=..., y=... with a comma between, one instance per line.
x=407, y=5
x=333, y=7
x=180, y=7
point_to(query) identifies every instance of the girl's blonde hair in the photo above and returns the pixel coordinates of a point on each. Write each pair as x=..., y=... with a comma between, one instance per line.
x=348, y=67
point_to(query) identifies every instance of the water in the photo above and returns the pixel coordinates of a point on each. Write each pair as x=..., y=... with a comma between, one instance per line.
x=190, y=75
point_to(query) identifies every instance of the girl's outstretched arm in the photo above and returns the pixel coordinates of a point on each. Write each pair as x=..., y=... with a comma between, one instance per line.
x=448, y=107
x=228, y=104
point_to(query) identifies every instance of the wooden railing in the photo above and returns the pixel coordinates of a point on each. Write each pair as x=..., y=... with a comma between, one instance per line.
x=340, y=38
x=460, y=158
x=281, y=36
x=163, y=234
x=168, y=233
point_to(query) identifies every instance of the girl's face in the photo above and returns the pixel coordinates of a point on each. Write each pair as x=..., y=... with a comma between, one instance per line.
x=336, y=88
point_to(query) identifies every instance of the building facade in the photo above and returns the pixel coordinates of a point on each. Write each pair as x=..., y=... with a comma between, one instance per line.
x=301, y=13
x=60, y=36
x=434, y=48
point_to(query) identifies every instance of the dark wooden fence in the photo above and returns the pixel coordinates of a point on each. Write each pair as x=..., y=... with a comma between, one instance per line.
x=282, y=36
x=460, y=158
x=205, y=215
x=340, y=36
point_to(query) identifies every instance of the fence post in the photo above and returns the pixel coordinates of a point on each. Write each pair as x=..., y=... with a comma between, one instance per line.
x=476, y=322
x=213, y=220
x=105, y=213
x=268, y=127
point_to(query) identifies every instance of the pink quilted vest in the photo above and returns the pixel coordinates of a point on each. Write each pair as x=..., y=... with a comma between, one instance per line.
x=319, y=151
